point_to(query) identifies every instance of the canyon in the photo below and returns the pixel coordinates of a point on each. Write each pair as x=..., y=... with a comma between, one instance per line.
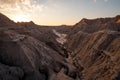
x=88, y=50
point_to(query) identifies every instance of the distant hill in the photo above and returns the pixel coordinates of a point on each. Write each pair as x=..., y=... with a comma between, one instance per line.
x=93, y=25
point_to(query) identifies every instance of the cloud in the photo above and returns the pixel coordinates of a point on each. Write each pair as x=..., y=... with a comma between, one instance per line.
x=94, y=0
x=10, y=1
x=103, y=0
x=14, y=8
x=106, y=0
x=20, y=5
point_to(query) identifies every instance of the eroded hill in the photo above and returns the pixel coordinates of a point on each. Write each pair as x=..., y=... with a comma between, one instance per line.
x=94, y=48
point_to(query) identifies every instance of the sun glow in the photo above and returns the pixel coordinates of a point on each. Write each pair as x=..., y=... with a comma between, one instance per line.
x=21, y=18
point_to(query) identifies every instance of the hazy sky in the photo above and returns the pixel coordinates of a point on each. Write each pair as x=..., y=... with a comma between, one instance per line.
x=58, y=12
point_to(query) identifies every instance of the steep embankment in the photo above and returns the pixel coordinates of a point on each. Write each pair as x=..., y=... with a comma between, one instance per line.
x=94, y=48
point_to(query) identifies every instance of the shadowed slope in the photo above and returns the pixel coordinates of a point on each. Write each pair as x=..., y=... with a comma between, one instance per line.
x=6, y=22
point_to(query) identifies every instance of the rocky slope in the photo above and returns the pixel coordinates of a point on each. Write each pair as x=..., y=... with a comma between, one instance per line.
x=94, y=48
x=6, y=22
x=89, y=50
x=31, y=52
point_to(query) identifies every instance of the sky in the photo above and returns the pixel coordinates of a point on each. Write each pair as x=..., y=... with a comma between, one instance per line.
x=58, y=12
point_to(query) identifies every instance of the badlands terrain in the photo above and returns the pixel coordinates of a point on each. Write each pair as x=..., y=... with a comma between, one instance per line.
x=88, y=50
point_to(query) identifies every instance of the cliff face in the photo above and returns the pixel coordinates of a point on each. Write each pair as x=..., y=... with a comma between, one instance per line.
x=96, y=51
x=89, y=50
